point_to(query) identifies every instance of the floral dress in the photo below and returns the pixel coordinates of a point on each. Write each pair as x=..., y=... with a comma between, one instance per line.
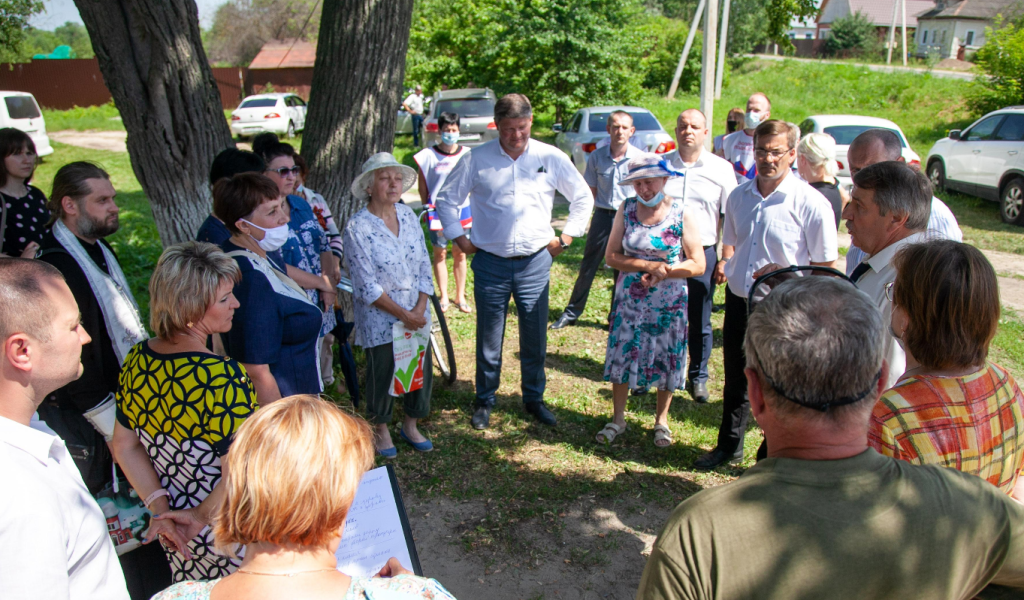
x=401, y=587
x=647, y=344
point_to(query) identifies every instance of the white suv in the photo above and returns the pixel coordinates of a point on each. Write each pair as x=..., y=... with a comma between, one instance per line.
x=985, y=160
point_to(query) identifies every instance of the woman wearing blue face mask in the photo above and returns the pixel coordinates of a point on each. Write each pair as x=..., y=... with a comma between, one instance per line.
x=276, y=328
x=655, y=247
x=434, y=164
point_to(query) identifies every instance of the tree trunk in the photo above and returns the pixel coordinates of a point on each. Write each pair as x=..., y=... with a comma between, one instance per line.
x=152, y=60
x=356, y=92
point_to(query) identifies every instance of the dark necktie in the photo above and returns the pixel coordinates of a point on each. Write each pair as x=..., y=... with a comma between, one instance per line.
x=859, y=272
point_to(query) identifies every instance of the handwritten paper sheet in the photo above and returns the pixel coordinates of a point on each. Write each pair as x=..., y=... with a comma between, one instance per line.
x=373, y=529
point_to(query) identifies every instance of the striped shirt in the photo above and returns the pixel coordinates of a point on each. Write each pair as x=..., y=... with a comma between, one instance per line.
x=974, y=424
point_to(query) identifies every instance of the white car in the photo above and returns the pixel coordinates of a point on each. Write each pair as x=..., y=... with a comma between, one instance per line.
x=21, y=111
x=283, y=114
x=587, y=129
x=845, y=128
x=985, y=160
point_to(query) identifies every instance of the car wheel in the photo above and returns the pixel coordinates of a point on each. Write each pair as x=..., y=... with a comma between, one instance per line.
x=937, y=175
x=291, y=130
x=1011, y=202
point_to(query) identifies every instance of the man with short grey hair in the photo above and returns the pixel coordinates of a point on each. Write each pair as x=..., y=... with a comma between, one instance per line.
x=824, y=516
x=889, y=208
x=878, y=145
x=511, y=182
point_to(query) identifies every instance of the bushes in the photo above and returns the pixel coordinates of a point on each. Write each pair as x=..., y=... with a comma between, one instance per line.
x=853, y=35
x=1001, y=65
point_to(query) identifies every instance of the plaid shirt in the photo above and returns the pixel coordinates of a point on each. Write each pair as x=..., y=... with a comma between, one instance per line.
x=974, y=424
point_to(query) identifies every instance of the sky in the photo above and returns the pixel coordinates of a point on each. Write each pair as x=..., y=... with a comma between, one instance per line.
x=58, y=12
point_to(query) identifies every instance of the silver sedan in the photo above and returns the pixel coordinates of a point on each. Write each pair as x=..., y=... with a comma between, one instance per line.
x=587, y=130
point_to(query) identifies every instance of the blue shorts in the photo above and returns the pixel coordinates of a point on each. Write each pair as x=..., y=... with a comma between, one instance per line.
x=438, y=240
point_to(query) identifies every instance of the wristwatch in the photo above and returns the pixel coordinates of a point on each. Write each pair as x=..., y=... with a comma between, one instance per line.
x=562, y=243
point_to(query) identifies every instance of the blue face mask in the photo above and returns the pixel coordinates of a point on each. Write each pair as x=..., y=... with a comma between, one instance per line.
x=656, y=200
x=449, y=138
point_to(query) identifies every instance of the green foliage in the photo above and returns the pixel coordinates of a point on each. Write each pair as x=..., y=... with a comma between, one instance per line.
x=665, y=40
x=852, y=35
x=241, y=27
x=14, y=15
x=1001, y=63
x=84, y=118
x=38, y=41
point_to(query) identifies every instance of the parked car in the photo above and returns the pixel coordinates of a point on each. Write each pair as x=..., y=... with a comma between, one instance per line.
x=283, y=114
x=589, y=127
x=475, y=107
x=403, y=125
x=845, y=128
x=21, y=111
x=985, y=160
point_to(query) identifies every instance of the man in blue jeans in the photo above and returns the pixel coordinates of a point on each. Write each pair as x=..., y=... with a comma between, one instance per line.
x=511, y=182
x=413, y=105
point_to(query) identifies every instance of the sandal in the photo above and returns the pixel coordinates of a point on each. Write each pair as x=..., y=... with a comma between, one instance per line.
x=464, y=307
x=609, y=433
x=444, y=306
x=662, y=434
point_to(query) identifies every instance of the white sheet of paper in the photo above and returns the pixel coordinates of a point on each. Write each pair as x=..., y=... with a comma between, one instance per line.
x=373, y=529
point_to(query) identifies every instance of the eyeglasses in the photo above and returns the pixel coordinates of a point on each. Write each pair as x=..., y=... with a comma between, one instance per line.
x=286, y=171
x=888, y=291
x=762, y=154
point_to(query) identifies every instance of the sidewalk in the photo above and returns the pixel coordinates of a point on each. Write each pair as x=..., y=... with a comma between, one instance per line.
x=940, y=73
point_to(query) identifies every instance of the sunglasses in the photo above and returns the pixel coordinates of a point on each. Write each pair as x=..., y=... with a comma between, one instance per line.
x=285, y=171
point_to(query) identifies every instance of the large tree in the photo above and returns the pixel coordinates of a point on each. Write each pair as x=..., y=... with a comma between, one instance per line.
x=241, y=27
x=356, y=91
x=152, y=60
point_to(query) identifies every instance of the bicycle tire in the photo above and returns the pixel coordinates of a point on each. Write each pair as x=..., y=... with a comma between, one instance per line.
x=446, y=339
x=439, y=360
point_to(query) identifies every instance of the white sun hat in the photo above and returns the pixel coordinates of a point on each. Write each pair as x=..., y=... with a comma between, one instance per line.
x=647, y=166
x=381, y=160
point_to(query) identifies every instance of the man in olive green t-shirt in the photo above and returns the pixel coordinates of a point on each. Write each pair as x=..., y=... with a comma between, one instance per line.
x=824, y=516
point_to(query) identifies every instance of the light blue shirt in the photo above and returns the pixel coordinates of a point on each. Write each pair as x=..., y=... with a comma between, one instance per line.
x=604, y=173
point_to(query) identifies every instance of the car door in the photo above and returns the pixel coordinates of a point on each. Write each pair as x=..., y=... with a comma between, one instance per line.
x=999, y=154
x=301, y=109
x=577, y=132
x=962, y=163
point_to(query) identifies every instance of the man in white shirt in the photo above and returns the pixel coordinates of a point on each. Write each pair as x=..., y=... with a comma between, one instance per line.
x=738, y=147
x=512, y=182
x=53, y=536
x=413, y=105
x=606, y=166
x=877, y=145
x=889, y=209
x=704, y=188
x=774, y=218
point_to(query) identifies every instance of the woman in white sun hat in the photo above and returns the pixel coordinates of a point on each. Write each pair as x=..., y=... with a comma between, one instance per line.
x=655, y=248
x=390, y=270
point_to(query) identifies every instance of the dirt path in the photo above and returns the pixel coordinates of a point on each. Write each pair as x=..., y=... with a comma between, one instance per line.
x=111, y=141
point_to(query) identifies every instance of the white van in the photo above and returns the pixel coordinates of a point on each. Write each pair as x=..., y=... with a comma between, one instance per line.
x=21, y=111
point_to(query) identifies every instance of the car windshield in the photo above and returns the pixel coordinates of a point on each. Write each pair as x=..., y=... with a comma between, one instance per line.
x=467, y=107
x=21, y=107
x=845, y=134
x=643, y=121
x=258, y=103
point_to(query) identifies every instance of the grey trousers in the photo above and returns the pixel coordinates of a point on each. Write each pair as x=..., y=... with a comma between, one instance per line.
x=593, y=255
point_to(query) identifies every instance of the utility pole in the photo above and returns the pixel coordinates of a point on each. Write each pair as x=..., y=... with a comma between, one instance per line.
x=686, y=50
x=903, y=3
x=707, y=68
x=892, y=32
x=723, y=38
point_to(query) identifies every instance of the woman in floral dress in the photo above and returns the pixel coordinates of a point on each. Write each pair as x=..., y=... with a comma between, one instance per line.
x=655, y=248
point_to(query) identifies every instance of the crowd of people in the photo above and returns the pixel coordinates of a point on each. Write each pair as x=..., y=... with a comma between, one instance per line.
x=886, y=425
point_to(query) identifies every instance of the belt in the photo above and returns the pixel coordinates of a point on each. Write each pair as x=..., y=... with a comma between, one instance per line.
x=711, y=246
x=524, y=256
x=611, y=210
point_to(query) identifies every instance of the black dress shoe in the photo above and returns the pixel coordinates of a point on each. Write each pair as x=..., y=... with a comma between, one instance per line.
x=699, y=392
x=563, y=321
x=541, y=413
x=481, y=417
x=717, y=457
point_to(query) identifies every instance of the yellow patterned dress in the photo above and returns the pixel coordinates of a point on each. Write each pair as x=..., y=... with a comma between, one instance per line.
x=185, y=408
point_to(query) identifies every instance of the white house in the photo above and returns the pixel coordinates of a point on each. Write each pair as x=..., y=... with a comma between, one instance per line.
x=879, y=12
x=950, y=25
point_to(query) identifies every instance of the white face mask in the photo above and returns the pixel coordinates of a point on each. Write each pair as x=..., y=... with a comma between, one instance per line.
x=273, y=238
x=751, y=119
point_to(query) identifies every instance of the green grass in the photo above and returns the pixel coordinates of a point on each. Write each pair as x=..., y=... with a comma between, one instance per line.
x=104, y=117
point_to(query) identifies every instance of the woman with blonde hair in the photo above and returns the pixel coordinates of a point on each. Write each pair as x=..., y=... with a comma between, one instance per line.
x=293, y=474
x=816, y=163
x=179, y=404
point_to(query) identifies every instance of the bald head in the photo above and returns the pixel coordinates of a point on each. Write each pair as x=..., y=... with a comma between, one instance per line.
x=691, y=131
x=692, y=115
x=872, y=147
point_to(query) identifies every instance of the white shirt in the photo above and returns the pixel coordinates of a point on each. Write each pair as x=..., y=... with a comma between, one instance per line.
x=414, y=102
x=942, y=225
x=53, y=536
x=435, y=166
x=704, y=190
x=794, y=225
x=872, y=283
x=738, y=149
x=512, y=199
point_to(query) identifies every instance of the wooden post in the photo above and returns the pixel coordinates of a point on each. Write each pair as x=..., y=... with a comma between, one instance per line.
x=892, y=33
x=723, y=38
x=686, y=51
x=707, y=70
x=903, y=3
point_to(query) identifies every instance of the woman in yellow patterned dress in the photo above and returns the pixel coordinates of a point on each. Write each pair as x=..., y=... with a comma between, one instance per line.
x=179, y=404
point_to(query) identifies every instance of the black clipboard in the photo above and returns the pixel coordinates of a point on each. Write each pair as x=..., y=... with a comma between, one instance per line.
x=404, y=516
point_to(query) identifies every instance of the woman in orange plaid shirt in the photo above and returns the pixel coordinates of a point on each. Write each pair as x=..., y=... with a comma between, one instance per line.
x=952, y=407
